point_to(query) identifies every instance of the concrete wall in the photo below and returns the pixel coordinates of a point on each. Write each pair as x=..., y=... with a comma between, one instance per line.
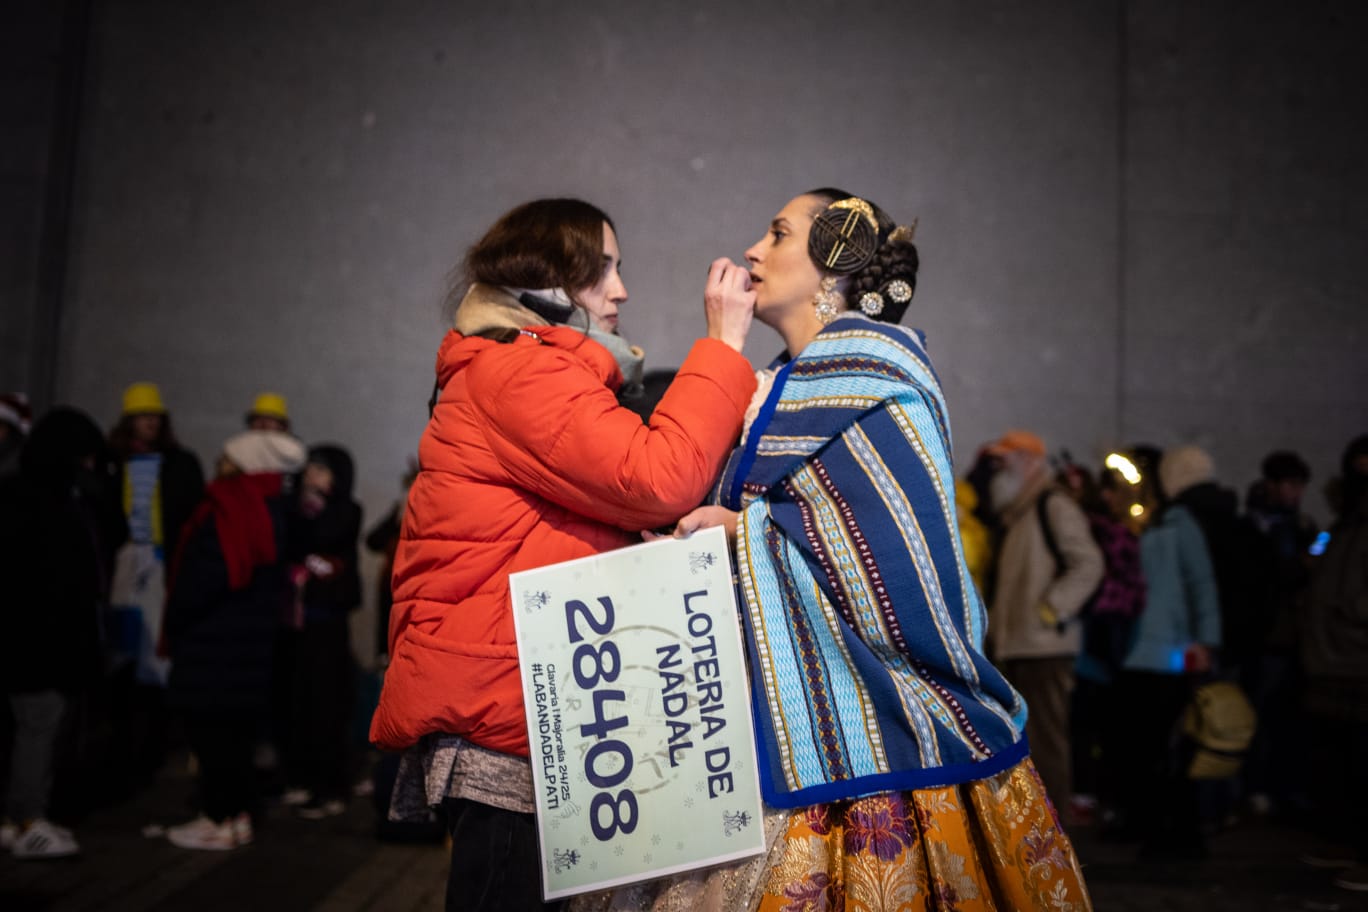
x=40, y=50
x=1137, y=221
x=1246, y=249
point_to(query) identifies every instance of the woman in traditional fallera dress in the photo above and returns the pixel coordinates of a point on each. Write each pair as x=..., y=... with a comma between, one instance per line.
x=892, y=759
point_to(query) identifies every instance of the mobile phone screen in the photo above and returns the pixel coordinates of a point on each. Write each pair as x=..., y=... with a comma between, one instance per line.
x=1317, y=547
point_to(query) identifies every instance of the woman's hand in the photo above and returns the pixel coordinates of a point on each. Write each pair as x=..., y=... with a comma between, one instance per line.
x=702, y=518
x=729, y=302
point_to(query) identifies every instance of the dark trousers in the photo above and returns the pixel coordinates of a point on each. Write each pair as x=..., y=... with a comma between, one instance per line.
x=1046, y=684
x=1338, y=759
x=1092, y=734
x=322, y=697
x=1160, y=801
x=140, y=731
x=223, y=745
x=494, y=859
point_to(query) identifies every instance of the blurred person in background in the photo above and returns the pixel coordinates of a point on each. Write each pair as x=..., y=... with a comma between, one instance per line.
x=1108, y=619
x=230, y=586
x=1047, y=567
x=1173, y=647
x=383, y=539
x=59, y=529
x=269, y=412
x=159, y=484
x=978, y=542
x=324, y=528
x=1334, y=655
x=1271, y=677
x=15, y=420
x=1189, y=475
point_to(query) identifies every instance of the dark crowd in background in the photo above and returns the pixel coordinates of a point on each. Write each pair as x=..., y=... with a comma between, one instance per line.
x=1192, y=655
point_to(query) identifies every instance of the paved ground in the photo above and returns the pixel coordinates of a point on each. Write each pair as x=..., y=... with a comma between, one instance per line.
x=338, y=865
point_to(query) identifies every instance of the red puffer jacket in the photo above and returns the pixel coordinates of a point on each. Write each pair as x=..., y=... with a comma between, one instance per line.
x=528, y=460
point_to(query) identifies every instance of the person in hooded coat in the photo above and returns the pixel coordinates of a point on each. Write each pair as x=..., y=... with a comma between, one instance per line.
x=1333, y=647
x=58, y=533
x=325, y=525
x=229, y=588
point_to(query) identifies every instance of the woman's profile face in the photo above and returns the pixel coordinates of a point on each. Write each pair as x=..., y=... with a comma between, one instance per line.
x=782, y=274
x=603, y=299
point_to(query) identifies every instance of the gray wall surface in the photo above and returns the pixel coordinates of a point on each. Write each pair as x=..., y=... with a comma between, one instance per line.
x=1246, y=249
x=1137, y=221
x=41, y=47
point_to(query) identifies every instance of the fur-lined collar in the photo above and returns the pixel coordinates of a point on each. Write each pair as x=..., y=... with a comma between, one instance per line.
x=489, y=307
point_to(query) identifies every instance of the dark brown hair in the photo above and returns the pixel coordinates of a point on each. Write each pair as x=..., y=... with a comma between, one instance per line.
x=892, y=260
x=121, y=437
x=546, y=243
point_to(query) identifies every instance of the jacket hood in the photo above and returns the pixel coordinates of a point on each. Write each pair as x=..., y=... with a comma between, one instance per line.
x=1025, y=501
x=339, y=462
x=1210, y=499
x=61, y=440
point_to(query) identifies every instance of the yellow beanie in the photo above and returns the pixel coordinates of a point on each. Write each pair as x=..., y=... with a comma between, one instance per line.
x=143, y=399
x=270, y=405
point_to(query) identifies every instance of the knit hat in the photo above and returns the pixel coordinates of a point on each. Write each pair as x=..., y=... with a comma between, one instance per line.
x=270, y=405
x=15, y=410
x=265, y=451
x=1184, y=466
x=143, y=399
x=1017, y=441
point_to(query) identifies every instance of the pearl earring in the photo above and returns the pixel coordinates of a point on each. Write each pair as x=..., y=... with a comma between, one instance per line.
x=828, y=302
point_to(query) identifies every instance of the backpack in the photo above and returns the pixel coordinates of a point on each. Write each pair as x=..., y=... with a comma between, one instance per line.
x=1122, y=588
x=1220, y=723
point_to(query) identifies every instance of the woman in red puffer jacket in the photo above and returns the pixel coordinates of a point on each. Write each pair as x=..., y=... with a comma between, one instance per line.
x=530, y=460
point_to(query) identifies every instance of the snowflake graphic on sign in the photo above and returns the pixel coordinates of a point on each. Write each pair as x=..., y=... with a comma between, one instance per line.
x=734, y=822
x=699, y=561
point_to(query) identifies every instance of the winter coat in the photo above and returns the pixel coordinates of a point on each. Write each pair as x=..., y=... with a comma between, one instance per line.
x=528, y=460
x=331, y=535
x=1181, y=604
x=59, y=528
x=1334, y=615
x=1028, y=575
x=1242, y=583
x=229, y=590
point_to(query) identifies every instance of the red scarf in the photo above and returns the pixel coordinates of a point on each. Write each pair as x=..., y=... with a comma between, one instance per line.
x=246, y=534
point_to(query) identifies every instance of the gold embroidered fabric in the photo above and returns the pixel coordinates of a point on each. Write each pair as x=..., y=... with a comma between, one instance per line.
x=994, y=844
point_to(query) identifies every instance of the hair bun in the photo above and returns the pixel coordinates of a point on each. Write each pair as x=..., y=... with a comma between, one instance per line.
x=844, y=236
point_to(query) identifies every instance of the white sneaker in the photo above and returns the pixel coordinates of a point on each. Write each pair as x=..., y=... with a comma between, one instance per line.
x=318, y=810
x=242, y=829
x=296, y=797
x=42, y=839
x=203, y=833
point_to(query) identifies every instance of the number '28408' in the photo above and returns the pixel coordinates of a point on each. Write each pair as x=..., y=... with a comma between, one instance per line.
x=594, y=666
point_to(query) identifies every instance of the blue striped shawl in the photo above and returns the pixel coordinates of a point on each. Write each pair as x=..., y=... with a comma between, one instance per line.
x=863, y=629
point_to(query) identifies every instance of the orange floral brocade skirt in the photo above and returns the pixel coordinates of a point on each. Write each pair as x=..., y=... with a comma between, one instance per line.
x=991, y=844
